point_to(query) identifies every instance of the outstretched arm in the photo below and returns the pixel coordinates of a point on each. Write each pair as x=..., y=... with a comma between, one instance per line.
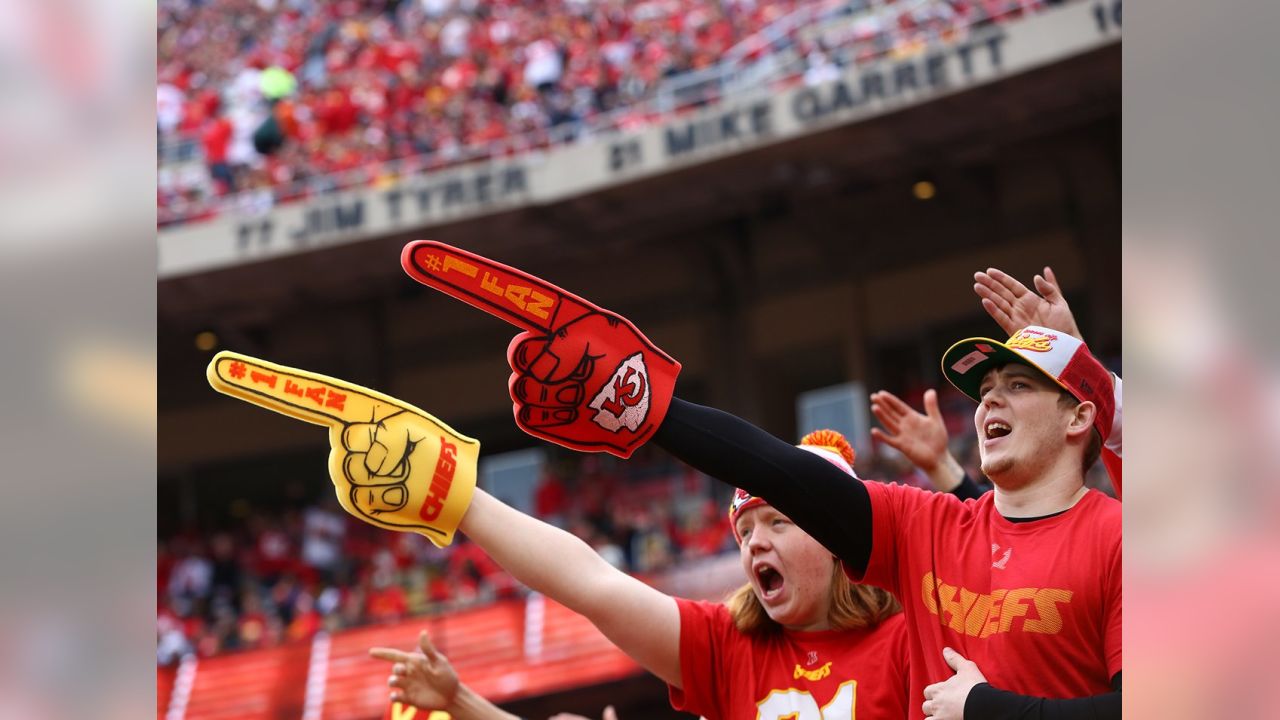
x=819, y=497
x=643, y=622
x=588, y=379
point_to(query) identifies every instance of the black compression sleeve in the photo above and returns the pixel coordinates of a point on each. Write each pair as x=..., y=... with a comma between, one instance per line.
x=818, y=497
x=967, y=489
x=989, y=703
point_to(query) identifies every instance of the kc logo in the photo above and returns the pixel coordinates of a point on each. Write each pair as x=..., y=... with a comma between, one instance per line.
x=998, y=561
x=624, y=399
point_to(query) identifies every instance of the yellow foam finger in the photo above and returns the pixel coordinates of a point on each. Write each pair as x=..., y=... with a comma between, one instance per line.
x=307, y=396
x=425, y=488
x=358, y=437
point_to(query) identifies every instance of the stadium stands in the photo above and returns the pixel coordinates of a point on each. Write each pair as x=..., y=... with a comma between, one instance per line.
x=261, y=102
x=282, y=575
x=334, y=677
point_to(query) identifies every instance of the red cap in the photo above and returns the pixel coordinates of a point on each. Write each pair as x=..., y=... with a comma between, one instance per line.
x=1062, y=358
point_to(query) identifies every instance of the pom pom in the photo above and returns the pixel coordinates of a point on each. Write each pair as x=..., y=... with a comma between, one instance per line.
x=831, y=440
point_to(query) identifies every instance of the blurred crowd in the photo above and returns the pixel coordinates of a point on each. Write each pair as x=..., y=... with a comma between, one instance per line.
x=277, y=575
x=275, y=100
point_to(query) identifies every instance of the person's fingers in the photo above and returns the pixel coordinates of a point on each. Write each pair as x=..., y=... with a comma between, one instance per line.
x=954, y=659
x=1011, y=285
x=893, y=441
x=887, y=418
x=1002, y=318
x=310, y=397
x=609, y=713
x=513, y=295
x=426, y=646
x=389, y=654
x=893, y=403
x=931, y=405
x=888, y=414
x=1048, y=290
x=999, y=307
x=988, y=286
x=996, y=294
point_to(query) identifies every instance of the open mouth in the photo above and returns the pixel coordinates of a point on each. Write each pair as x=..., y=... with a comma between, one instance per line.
x=770, y=581
x=997, y=429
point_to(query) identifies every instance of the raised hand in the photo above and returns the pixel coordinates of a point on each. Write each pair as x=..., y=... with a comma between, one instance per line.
x=424, y=679
x=1013, y=306
x=392, y=465
x=921, y=437
x=582, y=377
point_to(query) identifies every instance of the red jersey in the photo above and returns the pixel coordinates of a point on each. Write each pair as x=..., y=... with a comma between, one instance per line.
x=803, y=675
x=1035, y=604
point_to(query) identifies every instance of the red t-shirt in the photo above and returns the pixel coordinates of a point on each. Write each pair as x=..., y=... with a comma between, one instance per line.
x=805, y=675
x=1036, y=605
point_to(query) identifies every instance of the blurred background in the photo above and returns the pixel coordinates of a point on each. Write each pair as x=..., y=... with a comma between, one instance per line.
x=791, y=198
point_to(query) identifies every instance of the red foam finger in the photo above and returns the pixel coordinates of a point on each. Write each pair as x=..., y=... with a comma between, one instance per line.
x=523, y=350
x=538, y=418
x=515, y=296
x=528, y=391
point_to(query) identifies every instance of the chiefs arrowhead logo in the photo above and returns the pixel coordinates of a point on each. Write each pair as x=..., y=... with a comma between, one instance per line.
x=624, y=399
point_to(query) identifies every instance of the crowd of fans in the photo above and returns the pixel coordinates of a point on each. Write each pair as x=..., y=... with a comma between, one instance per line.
x=275, y=575
x=288, y=98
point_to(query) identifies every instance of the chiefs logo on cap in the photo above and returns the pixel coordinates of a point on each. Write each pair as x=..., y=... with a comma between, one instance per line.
x=1031, y=340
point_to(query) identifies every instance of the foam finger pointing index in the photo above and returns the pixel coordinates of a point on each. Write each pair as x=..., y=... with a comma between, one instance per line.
x=306, y=396
x=505, y=292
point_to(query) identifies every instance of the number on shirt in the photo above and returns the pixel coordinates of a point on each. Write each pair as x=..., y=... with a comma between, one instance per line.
x=799, y=705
